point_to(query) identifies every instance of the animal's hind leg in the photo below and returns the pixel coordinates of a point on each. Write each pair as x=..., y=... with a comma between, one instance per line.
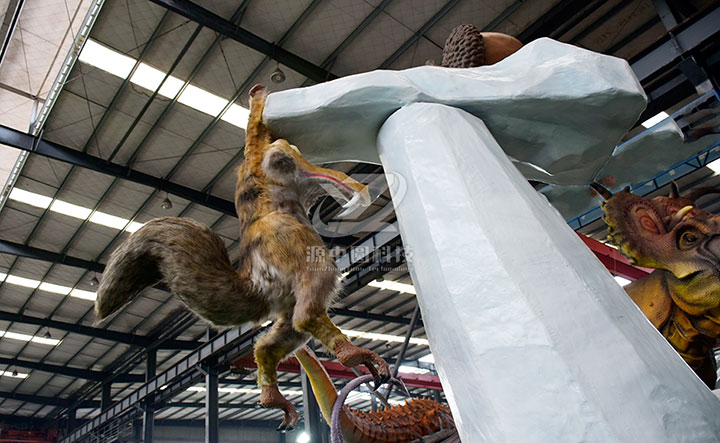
x=270, y=350
x=315, y=286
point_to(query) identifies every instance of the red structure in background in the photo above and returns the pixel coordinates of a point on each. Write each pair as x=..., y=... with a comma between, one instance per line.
x=614, y=261
x=336, y=370
x=14, y=436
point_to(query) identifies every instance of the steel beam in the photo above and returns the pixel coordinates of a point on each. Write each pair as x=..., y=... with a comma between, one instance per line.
x=552, y=20
x=48, y=401
x=8, y=247
x=87, y=374
x=26, y=142
x=223, y=347
x=684, y=38
x=218, y=24
x=105, y=334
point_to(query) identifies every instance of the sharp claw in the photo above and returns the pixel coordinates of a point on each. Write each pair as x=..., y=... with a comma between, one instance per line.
x=401, y=386
x=345, y=212
x=350, y=203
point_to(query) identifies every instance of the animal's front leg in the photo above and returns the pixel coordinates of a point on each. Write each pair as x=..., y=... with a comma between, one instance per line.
x=269, y=351
x=313, y=290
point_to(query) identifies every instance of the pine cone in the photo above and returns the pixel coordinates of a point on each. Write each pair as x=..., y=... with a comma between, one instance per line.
x=464, y=48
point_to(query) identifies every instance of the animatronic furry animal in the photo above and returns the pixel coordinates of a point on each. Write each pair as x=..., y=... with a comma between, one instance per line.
x=682, y=296
x=418, y=420
x=275, y=280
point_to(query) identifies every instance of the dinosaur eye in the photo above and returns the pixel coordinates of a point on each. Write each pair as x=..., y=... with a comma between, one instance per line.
x=688, y=239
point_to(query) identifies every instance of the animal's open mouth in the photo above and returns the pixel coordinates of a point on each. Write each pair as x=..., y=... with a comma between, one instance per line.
x=330, y=178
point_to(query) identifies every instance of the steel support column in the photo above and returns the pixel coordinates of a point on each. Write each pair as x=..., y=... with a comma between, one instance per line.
x=106, y=399
x=311, y=411
x=8, y=25
x=149, y=408
x=71, y=420
x=212, y=418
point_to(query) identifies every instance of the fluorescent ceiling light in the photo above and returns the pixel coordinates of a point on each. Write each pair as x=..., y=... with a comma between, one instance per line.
x=150, y=78
x=652, y=121
x=383, y=337
x=30, y=198
x=622, y=280
x=48, y=287
x=22, y=281
x=393, y=286
x=30, y=338
x=714, y=165
x=413, y=370
x=69, y=209
x=244, y=390
x=106, y=59
x=14, y=375
x=357, y=396
x=427, y=359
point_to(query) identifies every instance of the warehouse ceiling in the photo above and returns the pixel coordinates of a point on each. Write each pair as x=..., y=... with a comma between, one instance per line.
x=189, y=147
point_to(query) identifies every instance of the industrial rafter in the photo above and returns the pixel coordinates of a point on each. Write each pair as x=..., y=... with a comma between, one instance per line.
x=218, y=24
x=105, y=334
x=26, y=142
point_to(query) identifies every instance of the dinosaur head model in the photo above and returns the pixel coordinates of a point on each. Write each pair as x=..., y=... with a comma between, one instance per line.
x=682, y=297
x=668, y=233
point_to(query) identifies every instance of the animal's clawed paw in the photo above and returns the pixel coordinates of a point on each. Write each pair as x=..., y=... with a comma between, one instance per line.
x=350, y=356
x=360, y=199
x=256, y=90
x=270, y=397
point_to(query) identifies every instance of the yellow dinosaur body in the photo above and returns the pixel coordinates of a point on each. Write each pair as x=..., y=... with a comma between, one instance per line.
x=682, y=296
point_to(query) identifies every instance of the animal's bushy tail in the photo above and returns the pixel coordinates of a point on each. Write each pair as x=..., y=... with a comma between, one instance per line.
x=184, y=254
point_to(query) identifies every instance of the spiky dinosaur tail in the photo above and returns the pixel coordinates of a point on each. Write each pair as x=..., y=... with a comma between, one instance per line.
x=184, y=254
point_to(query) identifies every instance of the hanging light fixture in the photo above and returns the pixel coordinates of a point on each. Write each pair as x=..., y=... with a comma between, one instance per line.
x=277, y=76
x=166, y=204
x=94, y=281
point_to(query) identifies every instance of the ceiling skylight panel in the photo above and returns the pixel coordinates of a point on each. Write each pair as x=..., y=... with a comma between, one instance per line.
x=87, y=295
x=22, y=281
x=108, y=220
x=202, y=100
x=657, y=118
x=57, y=289
x=108, y=60
x=383, y=337
x=70, y=209
x=30, y=198
x=30, y=338
x=151, y=78
x=393, y=286
x=13, y=374
x=236, y=115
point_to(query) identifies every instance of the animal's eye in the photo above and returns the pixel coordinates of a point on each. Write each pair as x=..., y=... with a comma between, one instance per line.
x=689, y=238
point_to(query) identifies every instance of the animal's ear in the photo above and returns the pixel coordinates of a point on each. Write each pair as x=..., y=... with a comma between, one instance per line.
x=648, y=221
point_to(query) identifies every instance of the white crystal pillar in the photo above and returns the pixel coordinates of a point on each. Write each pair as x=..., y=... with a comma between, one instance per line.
x=533, y=339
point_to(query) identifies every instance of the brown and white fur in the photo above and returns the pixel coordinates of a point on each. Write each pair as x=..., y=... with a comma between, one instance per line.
x=275, y=280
